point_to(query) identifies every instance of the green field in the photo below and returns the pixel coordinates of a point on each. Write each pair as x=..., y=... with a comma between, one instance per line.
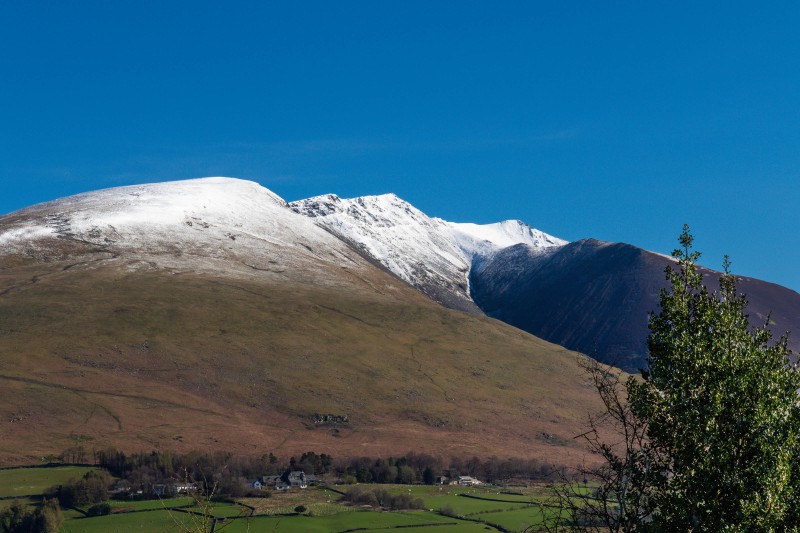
x=167, y=521
x=516, y=519
x=325, y=516
x=27, y=481
x=121, y=523
x=121, y=506
x=161, y=521
x=323, y=511
x=5, y=504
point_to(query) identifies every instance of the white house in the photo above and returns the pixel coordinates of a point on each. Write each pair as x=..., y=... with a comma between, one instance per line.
x=185, y=487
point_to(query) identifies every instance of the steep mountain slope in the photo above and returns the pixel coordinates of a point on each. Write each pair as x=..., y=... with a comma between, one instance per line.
x=432, y=255
x=398, y=236
x=207, y=315
x=595, y=297
x=589, y=296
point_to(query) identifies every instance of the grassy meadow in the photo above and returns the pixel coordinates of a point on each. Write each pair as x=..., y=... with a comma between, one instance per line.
x=17, y=482
x=446, y=508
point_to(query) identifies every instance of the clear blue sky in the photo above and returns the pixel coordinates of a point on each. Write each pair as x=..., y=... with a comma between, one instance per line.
x=614, y=120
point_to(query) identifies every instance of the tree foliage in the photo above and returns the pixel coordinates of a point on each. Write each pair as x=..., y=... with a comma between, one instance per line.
x=721, y=402
x=20, y=519
x=89, y=489
x=710, y=430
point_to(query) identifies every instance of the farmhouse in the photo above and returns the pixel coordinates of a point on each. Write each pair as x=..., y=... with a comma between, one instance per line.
x=184, y=487
x=122, y=486
x=294, y=479
x=297, y=478
x=468, y=481
x=172, y=487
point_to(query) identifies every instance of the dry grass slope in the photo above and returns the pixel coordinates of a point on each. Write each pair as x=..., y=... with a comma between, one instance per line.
x=102, y=354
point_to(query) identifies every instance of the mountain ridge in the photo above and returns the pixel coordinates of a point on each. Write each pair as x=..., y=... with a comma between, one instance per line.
x=233, y=332
x=431, y=254
x=590, y=296
x=595, y=297
x=451, y=263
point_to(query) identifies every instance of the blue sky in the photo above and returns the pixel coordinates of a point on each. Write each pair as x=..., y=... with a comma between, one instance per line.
x=614, y=120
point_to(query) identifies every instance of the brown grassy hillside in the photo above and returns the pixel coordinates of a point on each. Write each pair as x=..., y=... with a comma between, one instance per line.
x=207, y=315
x=142, y=359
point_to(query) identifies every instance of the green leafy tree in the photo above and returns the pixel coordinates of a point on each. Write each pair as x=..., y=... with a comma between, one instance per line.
x=721, y=403
x=428, y=476
x=91, y=488
x=20, y=519
x=707, y=438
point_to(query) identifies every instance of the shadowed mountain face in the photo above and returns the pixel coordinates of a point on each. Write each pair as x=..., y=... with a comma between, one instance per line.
x=595, y=297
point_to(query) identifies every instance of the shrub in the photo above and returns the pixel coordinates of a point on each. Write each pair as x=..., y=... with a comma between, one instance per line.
x=448, y=510
x=99, y=509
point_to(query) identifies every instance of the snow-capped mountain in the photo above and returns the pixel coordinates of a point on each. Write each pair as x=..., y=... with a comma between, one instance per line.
x=431, y=254
x=204, y=225
x=233, y=226
x=482, y=241
x=206, y=313
x=588, y=295
x=416, y=248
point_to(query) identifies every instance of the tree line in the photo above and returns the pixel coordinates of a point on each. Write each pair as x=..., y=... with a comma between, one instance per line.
x=231, y=474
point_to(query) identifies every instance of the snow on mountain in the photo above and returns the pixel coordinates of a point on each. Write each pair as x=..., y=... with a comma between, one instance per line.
x=238, y=227
x=480, y=241
x=433, y=255
x=416, y=248
x=203, y=224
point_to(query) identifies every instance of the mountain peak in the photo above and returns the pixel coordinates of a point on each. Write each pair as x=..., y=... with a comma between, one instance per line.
x=416, y=248
x=429, y=253
x=213, y=223
x=318, y=206
x=481, y=240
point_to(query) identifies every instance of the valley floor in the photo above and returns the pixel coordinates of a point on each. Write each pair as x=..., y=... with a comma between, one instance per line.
x=315, y=509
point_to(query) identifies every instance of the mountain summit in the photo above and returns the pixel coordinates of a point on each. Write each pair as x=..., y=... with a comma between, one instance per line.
x=204, y=225
x=431, y=254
